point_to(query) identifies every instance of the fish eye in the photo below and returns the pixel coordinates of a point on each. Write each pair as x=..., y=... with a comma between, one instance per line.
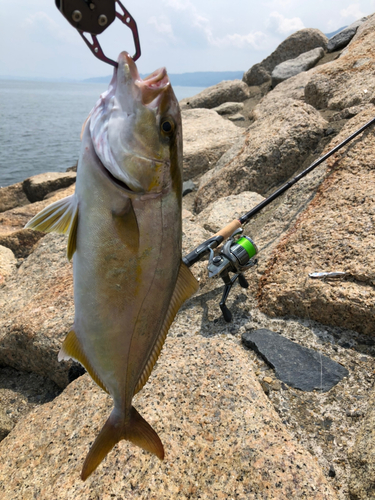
x=167, y=126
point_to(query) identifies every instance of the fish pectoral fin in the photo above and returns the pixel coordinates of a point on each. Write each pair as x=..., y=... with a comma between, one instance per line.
x=72, y=349
x=126, y=225
x=59, y=217
x=186, y=286
x=136, y=430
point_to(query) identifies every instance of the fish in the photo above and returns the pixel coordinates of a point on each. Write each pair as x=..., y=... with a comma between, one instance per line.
x=124, y=228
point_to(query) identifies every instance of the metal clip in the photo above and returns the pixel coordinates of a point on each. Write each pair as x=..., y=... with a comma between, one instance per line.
x=94, y=16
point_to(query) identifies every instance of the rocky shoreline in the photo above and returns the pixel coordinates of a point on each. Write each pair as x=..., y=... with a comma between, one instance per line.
x=232, y=427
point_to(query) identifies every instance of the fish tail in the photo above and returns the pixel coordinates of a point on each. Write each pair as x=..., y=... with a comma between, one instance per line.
x=136, y=430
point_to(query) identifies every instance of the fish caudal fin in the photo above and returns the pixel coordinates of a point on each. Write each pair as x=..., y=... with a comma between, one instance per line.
x=136, y=430
x=59, y=217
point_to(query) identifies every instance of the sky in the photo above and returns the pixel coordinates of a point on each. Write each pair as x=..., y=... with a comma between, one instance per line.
x=183, y=35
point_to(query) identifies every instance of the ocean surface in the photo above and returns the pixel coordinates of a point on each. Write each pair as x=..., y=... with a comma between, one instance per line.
x=40, y=125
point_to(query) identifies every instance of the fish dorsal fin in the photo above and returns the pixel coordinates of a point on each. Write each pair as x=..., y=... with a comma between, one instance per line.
x=72, y=349
x=185, y=287
x=59, y=217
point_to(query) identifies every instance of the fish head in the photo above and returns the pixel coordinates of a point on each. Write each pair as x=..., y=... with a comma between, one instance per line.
x=136, y=130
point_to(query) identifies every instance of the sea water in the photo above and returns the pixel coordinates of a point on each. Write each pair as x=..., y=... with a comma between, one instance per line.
x=40, y=125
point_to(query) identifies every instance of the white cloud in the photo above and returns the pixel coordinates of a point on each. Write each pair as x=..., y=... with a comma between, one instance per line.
x=352, y=11
x=162, y=25
x=40, y=23
x=277, y=22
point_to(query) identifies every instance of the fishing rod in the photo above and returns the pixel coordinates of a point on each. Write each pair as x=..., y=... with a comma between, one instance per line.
x=238, y=252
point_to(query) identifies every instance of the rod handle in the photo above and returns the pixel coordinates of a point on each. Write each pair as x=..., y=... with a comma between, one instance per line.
x=229, y=229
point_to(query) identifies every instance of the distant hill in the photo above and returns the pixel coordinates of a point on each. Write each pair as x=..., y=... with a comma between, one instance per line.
x=330, y=35
x=198, y=79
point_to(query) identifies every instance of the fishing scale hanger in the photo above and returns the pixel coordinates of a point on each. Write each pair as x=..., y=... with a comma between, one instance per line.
x=93, y=17
x=238, y=252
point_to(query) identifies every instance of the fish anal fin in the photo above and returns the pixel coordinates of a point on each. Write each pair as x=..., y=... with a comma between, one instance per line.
x=126, y=224
x=135, y=430
x=72, y=349
x=186, y=286
x=59, y=217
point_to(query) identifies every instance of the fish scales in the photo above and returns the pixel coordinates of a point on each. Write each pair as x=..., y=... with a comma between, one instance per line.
x=124, y=227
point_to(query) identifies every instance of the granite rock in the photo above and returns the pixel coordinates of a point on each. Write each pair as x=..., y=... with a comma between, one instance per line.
x=341, y=39
x=38, y=186
x=206, y=138
x=293, y=67
x=12, y=196
x=333, y=234
x=347, y=81
x=270, y=151
x=221, y=436
x=362, y=458
x=36, y=311
x=295, y=365
x=7, y=264
x=229, y=108
x=12, y=222
x=222, y=211
x=299, y=42
x=226, y=91
x=237, y=117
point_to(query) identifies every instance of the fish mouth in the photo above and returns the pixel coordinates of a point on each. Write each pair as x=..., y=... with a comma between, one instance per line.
x=151, y=88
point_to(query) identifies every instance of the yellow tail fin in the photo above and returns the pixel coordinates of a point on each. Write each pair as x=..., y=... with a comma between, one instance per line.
x=136, y=430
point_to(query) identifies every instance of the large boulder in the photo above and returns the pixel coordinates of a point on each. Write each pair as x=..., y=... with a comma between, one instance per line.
x=221, y=435
x=206, y=138
x=38, y=186
x=335, y=233
x=343, y=37
x=12, y=196
x=349, y=80
x=226, y=91
x=293, y=67
x=299, y=42
x=362, y=458
x=273, y=148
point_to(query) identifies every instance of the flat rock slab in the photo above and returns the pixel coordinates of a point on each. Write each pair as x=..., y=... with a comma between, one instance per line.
x=297, y=366
x=38, y=186
x=229, y=108
x=221, y=435
x=207, y=136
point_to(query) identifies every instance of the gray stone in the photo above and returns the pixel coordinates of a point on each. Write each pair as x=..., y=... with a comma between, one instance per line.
x=341, y=39
x=206, y=138
x=228, y=108
x=236, y=118
x=12, y=196
x=188, y=187
x=293, y=67
x=299, y=42
x=38, y=186
x=226, y=91
x=297, y=366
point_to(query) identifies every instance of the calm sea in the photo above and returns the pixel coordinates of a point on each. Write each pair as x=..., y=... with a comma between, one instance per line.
x=40, y=125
